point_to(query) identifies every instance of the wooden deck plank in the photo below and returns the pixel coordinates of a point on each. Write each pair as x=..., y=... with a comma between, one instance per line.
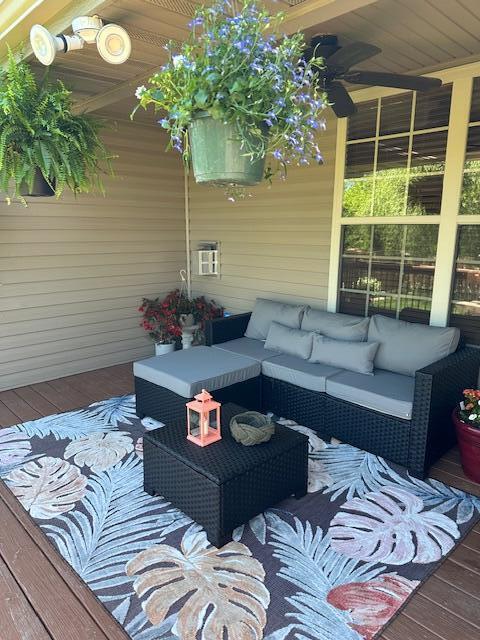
x=454, y=481
x=434, y=617
x=19, y=406
x=18, y=620
x=37, y=401
x=71, y=581
x=54, y=396
x=460, y=578
x=65, y=616
x=7, y=417
x=451, y=599
x=403, y=628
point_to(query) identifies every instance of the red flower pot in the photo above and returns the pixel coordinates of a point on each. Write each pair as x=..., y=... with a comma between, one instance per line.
x=469, y=444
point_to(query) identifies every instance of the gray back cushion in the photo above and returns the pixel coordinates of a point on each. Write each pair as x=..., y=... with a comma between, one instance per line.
x=406, y=347
x=354, y=356
x=266, y=311
x=293, y=342
x=339, y=326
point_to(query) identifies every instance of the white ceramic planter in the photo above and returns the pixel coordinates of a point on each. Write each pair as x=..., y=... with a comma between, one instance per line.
x=161, y=348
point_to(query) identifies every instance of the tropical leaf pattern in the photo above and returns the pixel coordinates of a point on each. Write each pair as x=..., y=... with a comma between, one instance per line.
x=117, y=520
x=392, y=526
x=222, y=591
x=99, y=451
x=14, y=446
x=371, y=604
x=336, y=564
x=114, y=411
x=48, y=486
x=62, y=426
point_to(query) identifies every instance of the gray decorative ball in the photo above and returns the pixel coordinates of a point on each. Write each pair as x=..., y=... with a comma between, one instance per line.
x=251, y=428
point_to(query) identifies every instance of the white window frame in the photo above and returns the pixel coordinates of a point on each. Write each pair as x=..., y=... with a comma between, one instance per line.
x=449, y=218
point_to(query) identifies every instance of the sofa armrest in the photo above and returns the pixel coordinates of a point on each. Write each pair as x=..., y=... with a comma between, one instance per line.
x=224, y=329
x=438, y=389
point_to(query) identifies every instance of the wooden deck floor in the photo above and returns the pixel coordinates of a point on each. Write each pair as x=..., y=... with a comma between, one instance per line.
x=41, y=598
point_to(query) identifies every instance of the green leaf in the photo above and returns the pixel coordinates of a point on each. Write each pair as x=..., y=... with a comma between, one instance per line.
x=201, y=98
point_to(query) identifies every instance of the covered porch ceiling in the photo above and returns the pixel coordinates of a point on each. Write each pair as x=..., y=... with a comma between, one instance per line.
x=419, y=36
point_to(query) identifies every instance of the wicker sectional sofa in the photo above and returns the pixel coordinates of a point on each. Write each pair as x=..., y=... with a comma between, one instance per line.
x=404, y=418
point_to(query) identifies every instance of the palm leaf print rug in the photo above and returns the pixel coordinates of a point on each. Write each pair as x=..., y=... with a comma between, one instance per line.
x=339, y=563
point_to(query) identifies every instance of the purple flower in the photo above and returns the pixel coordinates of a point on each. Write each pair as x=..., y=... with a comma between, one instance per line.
x=277, y=154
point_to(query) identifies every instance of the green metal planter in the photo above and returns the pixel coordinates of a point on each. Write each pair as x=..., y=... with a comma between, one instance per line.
x=217, y=156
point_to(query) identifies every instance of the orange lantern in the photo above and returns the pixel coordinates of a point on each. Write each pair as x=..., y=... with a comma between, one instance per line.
x=203, y=419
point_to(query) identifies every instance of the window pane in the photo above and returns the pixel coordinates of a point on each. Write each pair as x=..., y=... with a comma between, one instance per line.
x=396, y=272
x=354, y=273
x=396, y=113
x=424, y=195
x=363, y=123
x=385, y=276
x=357, y=239
x=428, y=152
x=465, y=309
x=359, y=160
x=417, y=281
x=475, y=109
x=391, y=177
x=353, y=303
x=421, y=241
x=470, y=201
x=433, y=108
x=388, y=240
x=386, y=305
x=357, y=198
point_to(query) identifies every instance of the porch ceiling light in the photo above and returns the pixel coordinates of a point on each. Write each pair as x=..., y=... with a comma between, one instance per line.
x=113, y=42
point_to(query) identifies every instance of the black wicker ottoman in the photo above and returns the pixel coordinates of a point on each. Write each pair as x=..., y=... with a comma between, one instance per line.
x=225, y=484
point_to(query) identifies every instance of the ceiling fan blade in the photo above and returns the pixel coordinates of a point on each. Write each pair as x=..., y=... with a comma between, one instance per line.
x=394, y=80
x=352, y=54
x=342, y=104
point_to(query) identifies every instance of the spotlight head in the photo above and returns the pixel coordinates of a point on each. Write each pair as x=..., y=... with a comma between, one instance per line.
x=113, y=44
x=44, y=45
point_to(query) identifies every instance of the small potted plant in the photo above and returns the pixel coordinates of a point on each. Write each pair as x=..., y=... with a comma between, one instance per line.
x=158, y=325
x=45, y=147
x=165, y=320
x=467, y=423
x=238, y=93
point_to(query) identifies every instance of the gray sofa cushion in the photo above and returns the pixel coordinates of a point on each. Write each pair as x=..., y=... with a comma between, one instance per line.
x=293, y=342
x=298, y=372
x=406, y=347
x=387, y=392
x=339, y=326
x=266, y=311
x=247, y=347
x=353, y=356
x=189, y=371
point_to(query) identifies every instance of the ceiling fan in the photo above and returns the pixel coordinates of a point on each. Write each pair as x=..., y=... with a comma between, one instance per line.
x=339, y=61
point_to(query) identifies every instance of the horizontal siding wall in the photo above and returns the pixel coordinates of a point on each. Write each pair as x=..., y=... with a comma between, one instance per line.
x=72, y=271
x=274, y=244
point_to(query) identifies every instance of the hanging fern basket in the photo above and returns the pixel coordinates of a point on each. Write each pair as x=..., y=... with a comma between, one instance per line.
x=218, y=156
x=40, y=187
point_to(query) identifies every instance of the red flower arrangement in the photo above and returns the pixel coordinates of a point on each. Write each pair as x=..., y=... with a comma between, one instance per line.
x=161, y=318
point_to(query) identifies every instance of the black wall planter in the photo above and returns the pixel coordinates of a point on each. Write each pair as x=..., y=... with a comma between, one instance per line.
x=40, y=188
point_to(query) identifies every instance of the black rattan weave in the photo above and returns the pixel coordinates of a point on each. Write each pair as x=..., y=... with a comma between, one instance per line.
x=415, y=443
x=166, y=406
x=223, y=485
x=224, y=329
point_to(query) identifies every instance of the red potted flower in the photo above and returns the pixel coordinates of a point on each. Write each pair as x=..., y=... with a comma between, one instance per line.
x=467, y=423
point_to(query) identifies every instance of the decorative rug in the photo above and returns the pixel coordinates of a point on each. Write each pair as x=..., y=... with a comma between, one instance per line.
x=337, y=564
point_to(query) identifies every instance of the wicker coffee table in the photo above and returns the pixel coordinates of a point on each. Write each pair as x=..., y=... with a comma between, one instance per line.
x=225, y=484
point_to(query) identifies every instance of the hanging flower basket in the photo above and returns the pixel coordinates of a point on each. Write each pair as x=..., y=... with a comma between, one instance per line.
x=239, y=101
x=40, y=187
x=218, y=154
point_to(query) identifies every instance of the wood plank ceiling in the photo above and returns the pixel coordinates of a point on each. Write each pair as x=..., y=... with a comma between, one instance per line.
x=414, y=35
